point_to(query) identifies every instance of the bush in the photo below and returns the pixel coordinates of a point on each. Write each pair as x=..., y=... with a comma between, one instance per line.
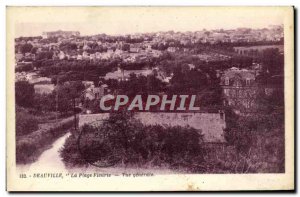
x=24, y=151
x=24, y=68
x=25, y=123
x=123, y=140
x=70, y=154
x=265, y=154
x=30, y=146
x=257, y=141
x=24, y=93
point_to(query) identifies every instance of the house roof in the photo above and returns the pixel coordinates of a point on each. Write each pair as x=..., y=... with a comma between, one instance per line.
x=244, y=74
x=126, y=73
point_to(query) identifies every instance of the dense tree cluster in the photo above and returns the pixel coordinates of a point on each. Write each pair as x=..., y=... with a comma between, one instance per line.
x=257, y=137
x=24, y=48
x=123, y=140
x=24, y=94
x=63, y=96
x=25, y=122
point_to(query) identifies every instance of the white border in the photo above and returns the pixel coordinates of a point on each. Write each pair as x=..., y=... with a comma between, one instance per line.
x=5, y=3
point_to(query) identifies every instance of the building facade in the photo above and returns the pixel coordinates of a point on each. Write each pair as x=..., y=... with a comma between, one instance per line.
x=239, y=89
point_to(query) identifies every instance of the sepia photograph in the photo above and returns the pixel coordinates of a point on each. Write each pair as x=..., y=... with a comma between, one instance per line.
x=105, y=98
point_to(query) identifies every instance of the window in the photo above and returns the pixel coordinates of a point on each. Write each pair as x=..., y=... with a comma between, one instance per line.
x=248, y=81
x=185, y=117
x=226, y=81
x=248, y=104
x=225, y=91
x=222, y=115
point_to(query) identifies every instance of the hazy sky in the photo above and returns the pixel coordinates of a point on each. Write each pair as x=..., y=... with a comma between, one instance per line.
x=33, y=21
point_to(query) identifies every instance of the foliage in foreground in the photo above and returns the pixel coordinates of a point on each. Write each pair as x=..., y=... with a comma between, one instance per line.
x=122, y=140
x=29, y=147
x=255, y=144
x=256, y=141
x=25, y=122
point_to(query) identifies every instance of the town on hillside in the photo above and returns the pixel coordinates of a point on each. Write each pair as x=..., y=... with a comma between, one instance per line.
x=237, y=76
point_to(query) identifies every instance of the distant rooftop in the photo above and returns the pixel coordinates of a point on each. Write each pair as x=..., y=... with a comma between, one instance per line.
x=61, y=33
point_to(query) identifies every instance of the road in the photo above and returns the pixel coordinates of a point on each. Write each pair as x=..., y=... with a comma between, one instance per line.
x=49, y=159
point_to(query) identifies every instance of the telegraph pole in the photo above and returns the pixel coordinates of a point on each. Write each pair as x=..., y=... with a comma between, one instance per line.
x=56, y=99
x=74, y=108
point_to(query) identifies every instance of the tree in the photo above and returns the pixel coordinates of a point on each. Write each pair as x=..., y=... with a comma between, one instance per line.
x=33, y=50
x=68, y=46
x=66, y=95
x=191, y=81
x=26, y=48
x=44, y=102
x=126, y=47
x=25, y=123
x=24, y=93
x=273, y=62
x=44, y=55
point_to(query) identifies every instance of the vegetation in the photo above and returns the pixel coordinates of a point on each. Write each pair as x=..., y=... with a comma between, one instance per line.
x=24, y=94
x=257, y=140
x=24, y=48
x=25, y=122
x=122, y=140
x=67, y=94
x=30, y=146
x=35, y=113
x=255, y=143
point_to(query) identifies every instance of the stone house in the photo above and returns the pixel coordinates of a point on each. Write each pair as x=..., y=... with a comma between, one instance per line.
x=239, y=88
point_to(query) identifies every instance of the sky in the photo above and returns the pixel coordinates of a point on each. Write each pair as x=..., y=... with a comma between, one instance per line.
x=32, y=21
